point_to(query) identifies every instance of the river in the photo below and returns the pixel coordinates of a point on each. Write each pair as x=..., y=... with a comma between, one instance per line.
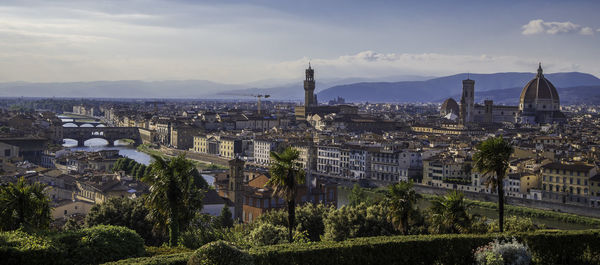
x=125, y=149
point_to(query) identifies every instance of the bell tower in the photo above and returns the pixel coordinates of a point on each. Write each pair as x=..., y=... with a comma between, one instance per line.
x=309, y=88
x=467, y=101
x=236, y=187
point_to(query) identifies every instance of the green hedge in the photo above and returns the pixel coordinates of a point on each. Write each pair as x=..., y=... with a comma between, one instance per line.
x=547, y=247
x=88, y=246
x=172, y=259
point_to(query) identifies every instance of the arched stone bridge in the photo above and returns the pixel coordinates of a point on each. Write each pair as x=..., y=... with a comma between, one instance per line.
x=79, y=123
x=110, y=134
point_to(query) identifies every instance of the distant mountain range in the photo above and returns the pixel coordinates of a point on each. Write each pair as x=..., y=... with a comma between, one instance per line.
x=116, y=89
x=503, y=88
x=450, y=86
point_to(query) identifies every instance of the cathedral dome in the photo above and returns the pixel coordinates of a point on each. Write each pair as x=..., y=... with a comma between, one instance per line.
x=449, y=106
x=539, y=94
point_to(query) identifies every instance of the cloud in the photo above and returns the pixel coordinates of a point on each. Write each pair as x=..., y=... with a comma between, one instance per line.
x=539, y=26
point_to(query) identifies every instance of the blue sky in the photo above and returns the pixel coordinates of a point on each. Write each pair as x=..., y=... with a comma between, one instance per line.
x=243, y=41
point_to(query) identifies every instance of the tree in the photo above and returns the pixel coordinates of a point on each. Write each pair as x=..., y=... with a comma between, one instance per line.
x=492, y=161
x=357, y=221
x=199, y=179
x=134, y=170
x=174, y=198
x=24, y=205
x=130, y=164
x=225, y=219
x=139, y=174
x=448, y=214
x=357, y=195
x=71, y=225
x=286, y=174
x=124, y=212
x=401, y=201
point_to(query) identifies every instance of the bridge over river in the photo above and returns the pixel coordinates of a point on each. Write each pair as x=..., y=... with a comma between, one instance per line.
x=110, y=134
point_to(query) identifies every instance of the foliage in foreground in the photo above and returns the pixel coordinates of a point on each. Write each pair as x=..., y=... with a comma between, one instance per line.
x=24, y=205
x=87, y=246
x=124, y=212
x=220, y=252
x=175, y=194
x=546, y=247
x=503, y=252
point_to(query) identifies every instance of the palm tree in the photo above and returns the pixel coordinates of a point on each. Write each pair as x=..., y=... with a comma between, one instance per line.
x=286, y=175
x=401, y=200
x=448, y=214
x=492, y=160
x=174, y=197
x=23, y=205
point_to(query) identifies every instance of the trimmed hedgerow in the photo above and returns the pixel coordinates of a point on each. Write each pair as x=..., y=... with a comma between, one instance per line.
x=547, y=247
x=88, y=246
x=172, y=259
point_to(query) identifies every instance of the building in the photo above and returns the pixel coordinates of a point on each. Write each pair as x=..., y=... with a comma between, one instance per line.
x=252, y=197
x=539, y=101
x=329, y=160
x=567, y=183
x=229, y=147
x=182, y=137
x=311, y=105
x=467, y=101
x=449, y=107
x=310, y=99
x=263, y=148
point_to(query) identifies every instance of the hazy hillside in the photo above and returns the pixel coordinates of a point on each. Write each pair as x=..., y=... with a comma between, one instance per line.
x=294, y=90
x=443, y=87
x=116, y=89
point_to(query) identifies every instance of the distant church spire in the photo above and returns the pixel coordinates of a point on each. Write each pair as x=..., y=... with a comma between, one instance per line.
x=540, y=71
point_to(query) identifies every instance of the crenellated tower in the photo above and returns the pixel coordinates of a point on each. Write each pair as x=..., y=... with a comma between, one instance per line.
x=310, y=99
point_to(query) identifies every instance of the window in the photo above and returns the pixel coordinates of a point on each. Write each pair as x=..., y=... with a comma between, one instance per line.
x=6, y=152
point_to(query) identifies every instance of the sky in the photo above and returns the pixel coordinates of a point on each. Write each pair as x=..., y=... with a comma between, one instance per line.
x=244, y=41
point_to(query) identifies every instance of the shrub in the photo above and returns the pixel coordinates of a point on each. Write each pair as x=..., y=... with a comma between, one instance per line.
x=106, y=243
x=360, y=221
x=268, y=234
x=497, y=252
x=220, y=253
x=19, y=247
x=309, y=218
x=514, y=224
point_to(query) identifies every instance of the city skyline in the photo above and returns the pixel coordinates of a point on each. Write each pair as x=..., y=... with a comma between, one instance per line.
x=241, y=42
